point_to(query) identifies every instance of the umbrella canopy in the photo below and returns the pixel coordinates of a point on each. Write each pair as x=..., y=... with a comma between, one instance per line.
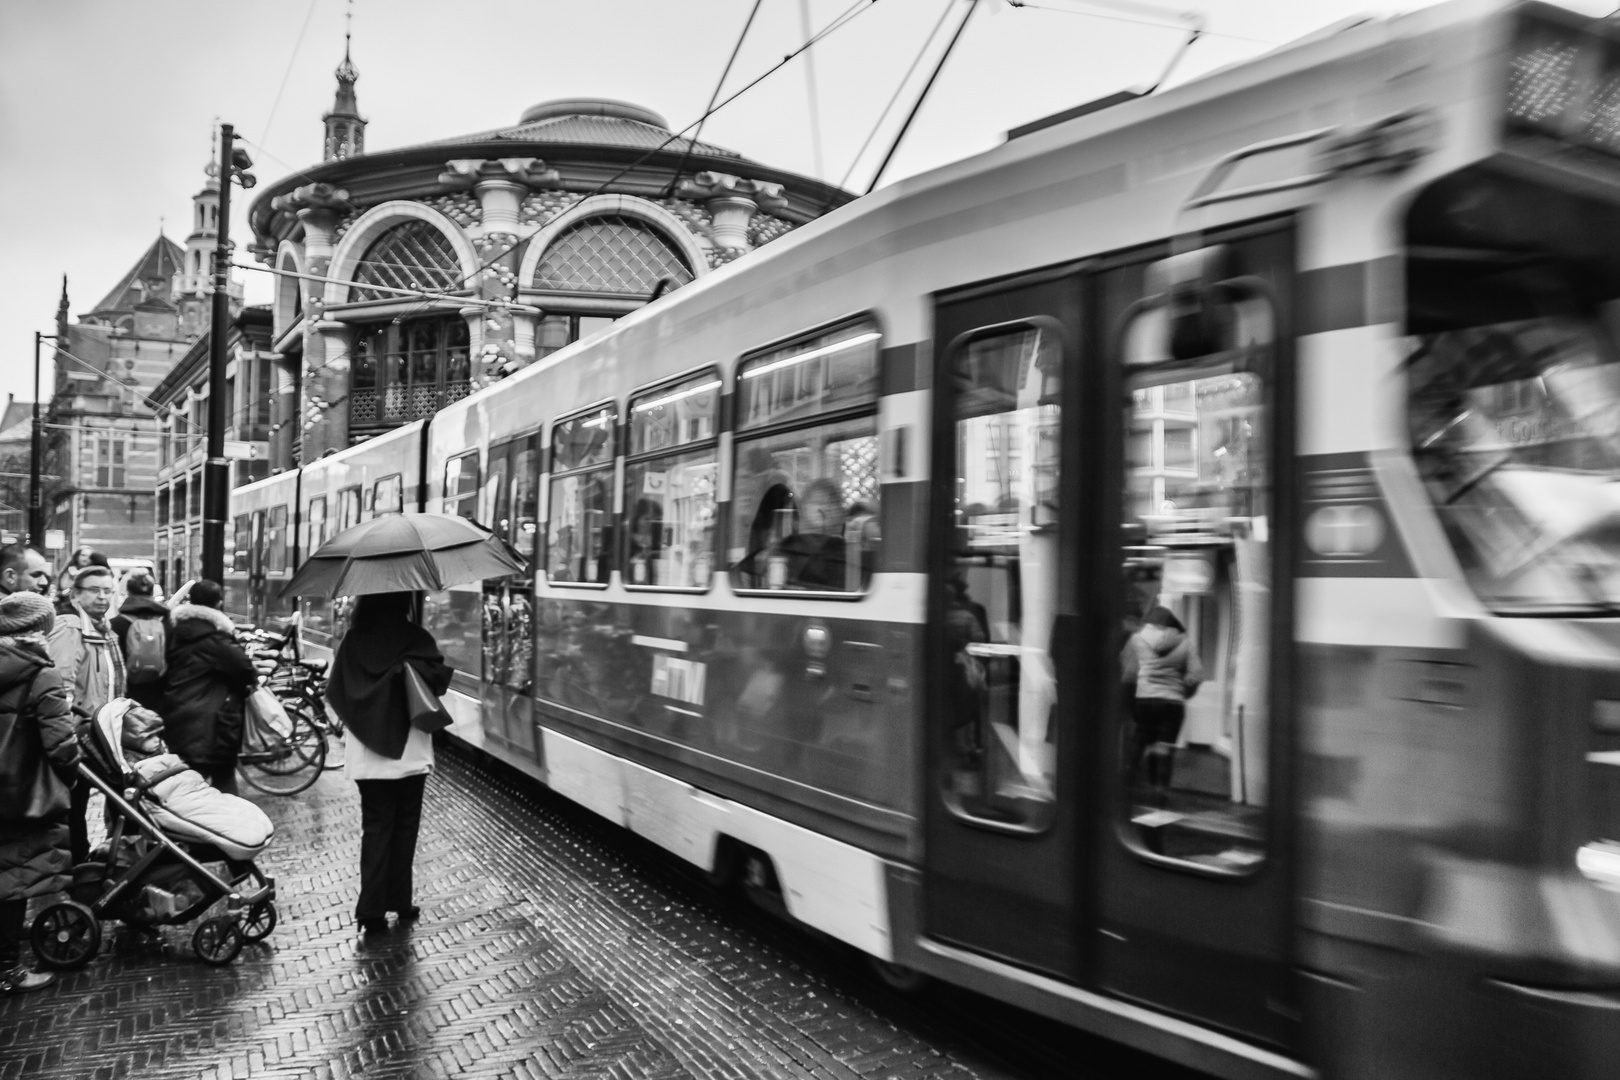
x=404, y=553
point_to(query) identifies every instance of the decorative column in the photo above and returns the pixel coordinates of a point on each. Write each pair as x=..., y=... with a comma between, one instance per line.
x=732, y=202
x=325, y=382
x=500, y=185
x=324, y=421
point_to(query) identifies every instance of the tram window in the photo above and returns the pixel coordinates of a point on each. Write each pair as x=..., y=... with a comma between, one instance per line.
x=1512, y=429
x=1003, y=588
x=671, y=475
x=242, y=541
x=461, y=485
x=348, y=507
x=317, y=524
x=806, y=489
x=525, y=500
x=275, y=540
x=579, y=537
x=388, y=495
x=1196, y=569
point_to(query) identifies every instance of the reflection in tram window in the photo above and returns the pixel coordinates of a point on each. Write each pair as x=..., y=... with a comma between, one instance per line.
x=461, y=485
x=807, y=488
x=348, y=507
x=1516, y=431
x=670, y=497
x=1002, y=592
x=241, y=543
x=1195, y=643
x=388, y=495
x=275, y=541
x=579, y=539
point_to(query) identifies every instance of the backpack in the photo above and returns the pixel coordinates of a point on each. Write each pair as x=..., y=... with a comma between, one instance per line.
x=147, y=646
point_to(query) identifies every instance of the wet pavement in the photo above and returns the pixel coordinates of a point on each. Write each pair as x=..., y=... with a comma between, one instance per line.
x=552, y=945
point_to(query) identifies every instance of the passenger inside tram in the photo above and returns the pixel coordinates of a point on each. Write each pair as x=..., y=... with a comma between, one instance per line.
x=810, y=541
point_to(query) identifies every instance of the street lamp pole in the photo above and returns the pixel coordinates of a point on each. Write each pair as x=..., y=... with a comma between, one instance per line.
x=217, y=469
x=36, y=508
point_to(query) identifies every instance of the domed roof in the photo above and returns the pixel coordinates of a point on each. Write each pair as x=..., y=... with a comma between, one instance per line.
x=593, y=122
x=624, y=110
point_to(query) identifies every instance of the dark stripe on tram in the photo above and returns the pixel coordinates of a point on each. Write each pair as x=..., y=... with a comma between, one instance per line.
x=902, y=368
x=904, y=508
x=1351, y=294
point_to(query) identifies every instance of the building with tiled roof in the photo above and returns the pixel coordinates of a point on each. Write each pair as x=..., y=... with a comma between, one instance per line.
x=412, y=276
x=102, y=439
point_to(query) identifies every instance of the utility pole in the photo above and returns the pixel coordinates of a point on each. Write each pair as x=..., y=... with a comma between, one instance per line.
x=36, y=508
x=233, y=164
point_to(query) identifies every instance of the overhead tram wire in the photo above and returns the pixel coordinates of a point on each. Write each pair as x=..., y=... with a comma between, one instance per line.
x=264, y=131
x=1141, y=22
x=735, y=49
x=917, y=107
x=944, y=14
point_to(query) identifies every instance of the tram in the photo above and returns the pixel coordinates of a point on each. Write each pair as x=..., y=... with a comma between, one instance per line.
x=837, y=552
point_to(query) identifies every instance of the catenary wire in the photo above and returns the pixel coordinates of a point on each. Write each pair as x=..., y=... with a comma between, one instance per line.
x=899, y=88
x=264, y=131
x=698, y=134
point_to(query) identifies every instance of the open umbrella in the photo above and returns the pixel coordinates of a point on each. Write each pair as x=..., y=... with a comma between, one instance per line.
x=404, y=553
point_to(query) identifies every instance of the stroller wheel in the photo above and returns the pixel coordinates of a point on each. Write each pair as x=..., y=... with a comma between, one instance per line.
x=217, y=941
x=66, y=935
x=259, y=920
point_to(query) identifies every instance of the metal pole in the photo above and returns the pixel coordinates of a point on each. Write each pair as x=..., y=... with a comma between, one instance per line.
x=36, y=508
x=217, y=470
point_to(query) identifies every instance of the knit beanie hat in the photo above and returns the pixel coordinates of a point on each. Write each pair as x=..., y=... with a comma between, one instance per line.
x=26, y=613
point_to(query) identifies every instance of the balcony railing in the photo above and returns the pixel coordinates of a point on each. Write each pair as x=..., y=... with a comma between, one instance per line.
x=372, y=407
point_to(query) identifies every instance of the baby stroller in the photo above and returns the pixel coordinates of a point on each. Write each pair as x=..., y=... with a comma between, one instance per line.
x=164, y=823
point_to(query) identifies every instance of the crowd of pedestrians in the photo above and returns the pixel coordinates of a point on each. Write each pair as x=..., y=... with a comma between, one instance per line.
x=69, y=646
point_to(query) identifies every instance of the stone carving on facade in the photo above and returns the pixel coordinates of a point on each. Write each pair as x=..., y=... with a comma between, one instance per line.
x=732, y=202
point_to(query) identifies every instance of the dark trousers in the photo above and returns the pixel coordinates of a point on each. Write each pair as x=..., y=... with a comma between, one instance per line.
x=220, y=777
x=12, y=915
x=1158, y=726
x=390, y=818
x=78, y=826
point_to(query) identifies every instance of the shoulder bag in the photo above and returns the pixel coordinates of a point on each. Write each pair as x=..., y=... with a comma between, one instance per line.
x=426, y=710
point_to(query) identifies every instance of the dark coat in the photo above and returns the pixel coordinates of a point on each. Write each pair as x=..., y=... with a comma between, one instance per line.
x=367, y=686
x=33, y=853
x=149, y=694
x=207, y=682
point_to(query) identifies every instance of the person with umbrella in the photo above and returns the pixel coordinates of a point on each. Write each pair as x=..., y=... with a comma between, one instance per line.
x=387, y=757
x=388, y=562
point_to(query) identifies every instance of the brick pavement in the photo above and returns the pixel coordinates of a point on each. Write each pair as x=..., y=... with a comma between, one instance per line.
x=545, y=952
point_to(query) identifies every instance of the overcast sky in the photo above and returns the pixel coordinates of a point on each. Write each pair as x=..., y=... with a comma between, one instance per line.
x=107, y=107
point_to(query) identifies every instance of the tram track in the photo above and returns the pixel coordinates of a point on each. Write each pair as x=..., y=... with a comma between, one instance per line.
x=991, y=1038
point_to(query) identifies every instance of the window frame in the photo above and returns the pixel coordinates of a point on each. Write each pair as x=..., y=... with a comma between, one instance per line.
x=272, y=528
x=348, y=496
x=471, y=493
x=242, y=544
x=741, y=437
x=712, y=441
x=552, y=475
x=398, y=480
x=311, y=543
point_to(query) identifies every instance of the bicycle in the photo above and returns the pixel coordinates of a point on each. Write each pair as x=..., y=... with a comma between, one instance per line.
x=281, y=761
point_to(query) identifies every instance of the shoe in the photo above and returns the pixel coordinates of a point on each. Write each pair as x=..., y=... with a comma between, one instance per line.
x=19, y=980
x=374, y=927
x=410, y=914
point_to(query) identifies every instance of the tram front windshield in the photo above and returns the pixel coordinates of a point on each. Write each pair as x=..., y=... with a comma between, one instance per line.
x=1515, y=427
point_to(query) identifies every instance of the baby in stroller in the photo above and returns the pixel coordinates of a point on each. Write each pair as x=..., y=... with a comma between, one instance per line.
x=164, y=822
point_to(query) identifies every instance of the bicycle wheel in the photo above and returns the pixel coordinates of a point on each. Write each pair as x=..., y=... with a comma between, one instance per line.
x=285, y=765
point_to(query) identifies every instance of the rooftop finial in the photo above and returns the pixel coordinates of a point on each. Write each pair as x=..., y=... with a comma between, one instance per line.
x=346, y=71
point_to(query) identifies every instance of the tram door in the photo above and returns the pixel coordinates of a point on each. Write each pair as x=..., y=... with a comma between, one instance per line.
x=511, y=501
x=1194, y=912
x=1003, y=833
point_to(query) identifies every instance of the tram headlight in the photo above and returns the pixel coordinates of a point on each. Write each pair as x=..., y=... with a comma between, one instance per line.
x=1600, y=862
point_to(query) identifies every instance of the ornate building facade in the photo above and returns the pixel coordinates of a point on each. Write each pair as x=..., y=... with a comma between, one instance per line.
x=409, y=278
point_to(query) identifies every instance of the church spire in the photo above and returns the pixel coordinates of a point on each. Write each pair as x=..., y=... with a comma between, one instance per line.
x=345, y=129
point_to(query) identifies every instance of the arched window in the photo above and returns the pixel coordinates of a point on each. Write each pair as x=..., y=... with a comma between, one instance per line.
x=411, y=255
x=611, y=254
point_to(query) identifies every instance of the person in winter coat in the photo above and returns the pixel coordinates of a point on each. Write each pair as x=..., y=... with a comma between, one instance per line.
x=1166, y=672
x=205, y=687
x=144, y=665
x=87, y=655
x=37, y=758
x=385, y=755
